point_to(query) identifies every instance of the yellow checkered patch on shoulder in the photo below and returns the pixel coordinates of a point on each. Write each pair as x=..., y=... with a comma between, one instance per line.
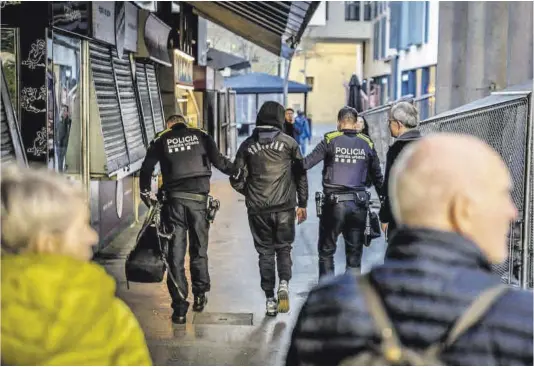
x=332, y=135
x=367, y=139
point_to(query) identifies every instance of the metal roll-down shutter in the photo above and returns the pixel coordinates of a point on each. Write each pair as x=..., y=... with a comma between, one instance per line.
x=108, y=105
x=144, y=101
x=155, y=97
x=129, y=109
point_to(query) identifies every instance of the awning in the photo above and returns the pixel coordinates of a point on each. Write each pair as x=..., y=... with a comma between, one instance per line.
x=220, y=60
x=276, y=26
x=262, y=83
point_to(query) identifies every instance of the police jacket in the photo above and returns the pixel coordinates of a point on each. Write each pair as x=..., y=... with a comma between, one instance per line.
x=273, y=182
x=394, y=150
x=427, y=281
x=348, y=158
x=185, y=155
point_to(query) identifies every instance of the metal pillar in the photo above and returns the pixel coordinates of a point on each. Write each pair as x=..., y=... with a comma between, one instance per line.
x=286, y=82
x=85, y=100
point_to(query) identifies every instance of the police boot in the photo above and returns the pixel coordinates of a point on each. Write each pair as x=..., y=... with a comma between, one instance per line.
x=200, y=302
x=178, y=318
x=283, y=297
x=272, y=306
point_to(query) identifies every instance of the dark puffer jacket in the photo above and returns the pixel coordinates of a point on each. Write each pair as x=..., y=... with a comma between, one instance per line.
x=428, y=280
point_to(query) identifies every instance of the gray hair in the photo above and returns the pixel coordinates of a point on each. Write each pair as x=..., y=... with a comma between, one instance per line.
x=406, y=114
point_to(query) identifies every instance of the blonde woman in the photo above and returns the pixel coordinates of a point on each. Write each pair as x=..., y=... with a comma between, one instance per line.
x=58, y=308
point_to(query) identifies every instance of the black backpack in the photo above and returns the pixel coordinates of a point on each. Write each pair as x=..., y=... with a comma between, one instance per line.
x=391, y=352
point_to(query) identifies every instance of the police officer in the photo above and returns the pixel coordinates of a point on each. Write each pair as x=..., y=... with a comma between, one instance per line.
x=348, y=158
x=185, y=155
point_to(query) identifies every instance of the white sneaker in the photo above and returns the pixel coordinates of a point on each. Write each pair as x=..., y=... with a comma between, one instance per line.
x=272, y=307
x=283, y=297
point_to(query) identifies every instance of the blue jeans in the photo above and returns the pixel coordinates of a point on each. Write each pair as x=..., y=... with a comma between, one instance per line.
x=302, y=146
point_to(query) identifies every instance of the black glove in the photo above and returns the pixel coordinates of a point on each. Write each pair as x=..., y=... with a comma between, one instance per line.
x=149, y=198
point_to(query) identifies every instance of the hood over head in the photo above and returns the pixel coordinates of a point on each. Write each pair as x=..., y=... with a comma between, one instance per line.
x=271, y=114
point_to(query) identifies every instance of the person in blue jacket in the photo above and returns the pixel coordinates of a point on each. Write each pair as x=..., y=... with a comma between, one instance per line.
x=302, y=131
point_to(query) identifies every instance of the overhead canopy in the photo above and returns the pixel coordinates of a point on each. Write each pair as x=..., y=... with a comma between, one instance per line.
x=262, y=83
x=276, y=26
x=219, y=60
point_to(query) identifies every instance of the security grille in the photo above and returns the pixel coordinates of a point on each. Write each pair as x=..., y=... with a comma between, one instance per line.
x=501, y=120
x=130, y=112
x=155, y=99
x=108, y=105
x=144, y=101
x=11, y=145
x=8, y=152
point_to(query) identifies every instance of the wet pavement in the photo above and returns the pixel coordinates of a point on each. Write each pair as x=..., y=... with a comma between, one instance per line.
x=233, y=329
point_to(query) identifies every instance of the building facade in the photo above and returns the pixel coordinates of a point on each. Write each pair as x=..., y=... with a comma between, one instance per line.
x=483, y=47
x=331, y=51
x=402, y=56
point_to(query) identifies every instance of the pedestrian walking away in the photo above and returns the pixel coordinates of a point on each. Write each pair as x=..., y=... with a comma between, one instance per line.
x=349, y=159
x=185, y=155
x=273, y=188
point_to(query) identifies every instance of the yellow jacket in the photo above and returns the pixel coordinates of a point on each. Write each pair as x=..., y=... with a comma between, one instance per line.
x=60, y=311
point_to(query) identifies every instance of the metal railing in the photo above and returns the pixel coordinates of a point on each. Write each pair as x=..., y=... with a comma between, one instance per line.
x=504, y=121
x=426, y=105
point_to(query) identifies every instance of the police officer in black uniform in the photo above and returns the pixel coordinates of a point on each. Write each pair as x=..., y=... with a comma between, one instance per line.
x=185, y=155
x=349, y=157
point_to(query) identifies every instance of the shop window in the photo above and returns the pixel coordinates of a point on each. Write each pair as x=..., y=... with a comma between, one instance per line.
x=64, y=108
x=352, y=10
x=8, y=49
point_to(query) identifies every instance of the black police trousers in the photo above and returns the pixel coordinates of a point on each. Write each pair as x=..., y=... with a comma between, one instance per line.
x=187, y=216
x=347, y=218
x=273, y=235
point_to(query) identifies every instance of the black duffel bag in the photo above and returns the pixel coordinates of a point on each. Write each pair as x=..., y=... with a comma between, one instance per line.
x=145, y=263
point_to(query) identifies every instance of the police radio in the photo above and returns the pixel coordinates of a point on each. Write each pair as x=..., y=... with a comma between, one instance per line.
x=213, y=207
x=319, y=201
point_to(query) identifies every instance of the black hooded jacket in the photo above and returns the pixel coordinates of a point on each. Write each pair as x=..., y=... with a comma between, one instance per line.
x=270, y=182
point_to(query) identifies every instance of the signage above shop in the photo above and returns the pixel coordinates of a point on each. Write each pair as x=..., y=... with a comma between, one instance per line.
x=72, y=16
x=104, y=21
x=132, y=21
x=183, y=68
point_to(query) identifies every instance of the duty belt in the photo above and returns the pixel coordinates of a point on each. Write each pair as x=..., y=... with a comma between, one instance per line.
x=188, y=196
x=352, y=196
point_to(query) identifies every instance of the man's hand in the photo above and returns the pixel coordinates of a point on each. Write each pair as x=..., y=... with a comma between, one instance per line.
x=238, y=175
x=384, y=227
x=149, y=198
x=301, y=215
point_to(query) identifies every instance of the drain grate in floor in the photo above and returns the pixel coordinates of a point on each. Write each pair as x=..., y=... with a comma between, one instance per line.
x=219, y=318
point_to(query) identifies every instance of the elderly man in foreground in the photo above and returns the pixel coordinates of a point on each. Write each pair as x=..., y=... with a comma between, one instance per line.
x=450, y=195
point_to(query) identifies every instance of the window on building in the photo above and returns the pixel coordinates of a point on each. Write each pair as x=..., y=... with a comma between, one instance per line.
x=408, y=85
x=427, y=19
x=383, y=38
x=309, y=81
x=376, y=40
x=367, y=11
x=374, y=5
x=352, y=10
